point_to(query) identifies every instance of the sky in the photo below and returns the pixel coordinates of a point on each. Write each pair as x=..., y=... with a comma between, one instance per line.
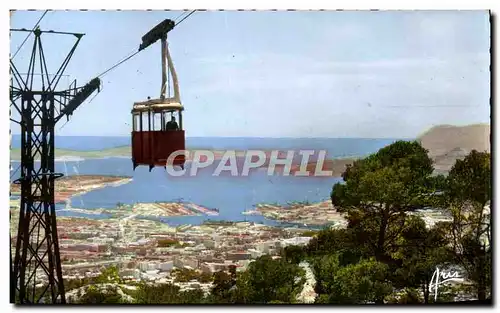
x=385, y=74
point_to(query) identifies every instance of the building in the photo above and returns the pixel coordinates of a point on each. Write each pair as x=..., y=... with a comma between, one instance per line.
x=240, y=255
x=152, y=266
x=296, y=241
x=265, y=246
x=255, y=253
x=143, y=266
x=213, y=267
x=130, y=273
x=185, y=262
x=166, y=266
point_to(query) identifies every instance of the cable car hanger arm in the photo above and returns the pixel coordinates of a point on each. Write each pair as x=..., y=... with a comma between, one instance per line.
x=155, y=34
x=158, y=32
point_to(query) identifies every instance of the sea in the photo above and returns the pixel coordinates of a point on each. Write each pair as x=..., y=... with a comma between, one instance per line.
x=229, y=195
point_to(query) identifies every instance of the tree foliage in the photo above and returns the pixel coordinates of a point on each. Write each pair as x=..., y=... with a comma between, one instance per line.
x=148, y=293
x=293, y=254
x=420, y=250
x=108, y=275
x=96, y=295
x=363, y=282
x=223, y=283
x=268, y=280
x=379, y=190
x=467, y=194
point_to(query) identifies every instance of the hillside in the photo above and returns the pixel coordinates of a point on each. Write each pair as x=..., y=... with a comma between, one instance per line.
x=448, y=143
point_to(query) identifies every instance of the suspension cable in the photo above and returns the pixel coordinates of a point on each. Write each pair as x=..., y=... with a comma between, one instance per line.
x=34, y=27
x=177, y=24
x=117, y=64
x=136, y=52
x=177, y=18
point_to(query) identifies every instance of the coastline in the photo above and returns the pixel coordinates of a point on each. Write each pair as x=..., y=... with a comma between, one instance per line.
x=336, y=165
x=301, y=213
x=70, y=186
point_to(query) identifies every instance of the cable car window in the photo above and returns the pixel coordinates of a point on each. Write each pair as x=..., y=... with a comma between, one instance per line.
x=172, y=122
x=158, y=122
x=145, y=121
x=135, y=122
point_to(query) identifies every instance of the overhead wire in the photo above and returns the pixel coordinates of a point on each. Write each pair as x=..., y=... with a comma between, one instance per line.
x=177, y=24
x=117, y=64
x=136, y=52
x=25, y=39
x=177, y=18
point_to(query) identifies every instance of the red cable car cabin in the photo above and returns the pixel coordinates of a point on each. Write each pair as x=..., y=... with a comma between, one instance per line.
x=152, y=142
x=155, y=135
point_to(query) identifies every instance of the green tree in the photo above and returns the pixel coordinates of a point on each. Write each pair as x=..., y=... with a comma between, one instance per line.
x=148, y=293
x=407, y=296
x=467, y=194
x=222, y=287
x=108, y=275
x=96, y=295
x=379, y=190
x=268, y=280
x=293, y=254
x=420, y=251
x=205, y=278
x=324, y=269
x=158, y=294
x=364, y=282
x=336, y=241
x=195, y=296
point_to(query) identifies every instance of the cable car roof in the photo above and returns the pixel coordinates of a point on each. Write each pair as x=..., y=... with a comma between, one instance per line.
x=157, y=105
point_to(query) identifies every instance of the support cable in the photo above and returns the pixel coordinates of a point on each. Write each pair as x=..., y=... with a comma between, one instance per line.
x=177, y=24
x=117, y=64
x=177, y=18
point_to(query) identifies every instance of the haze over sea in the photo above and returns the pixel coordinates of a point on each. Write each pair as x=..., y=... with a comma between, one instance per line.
x=230, y=195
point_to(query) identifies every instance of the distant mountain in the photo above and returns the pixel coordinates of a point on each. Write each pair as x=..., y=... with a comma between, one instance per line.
x=448, y=143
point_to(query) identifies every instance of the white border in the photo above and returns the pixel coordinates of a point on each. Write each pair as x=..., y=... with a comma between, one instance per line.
x=191, y=4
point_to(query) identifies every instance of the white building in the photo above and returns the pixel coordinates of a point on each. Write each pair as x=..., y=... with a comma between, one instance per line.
x=143, y=266
x=295, y=241
x=152, y=272
x=166, y=266
x=255, y=253
x=185, y=262
x=152, y=266
x=134, y=273
x=265, y=246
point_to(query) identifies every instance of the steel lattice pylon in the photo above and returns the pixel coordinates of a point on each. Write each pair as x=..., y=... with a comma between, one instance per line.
x=36, y=275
